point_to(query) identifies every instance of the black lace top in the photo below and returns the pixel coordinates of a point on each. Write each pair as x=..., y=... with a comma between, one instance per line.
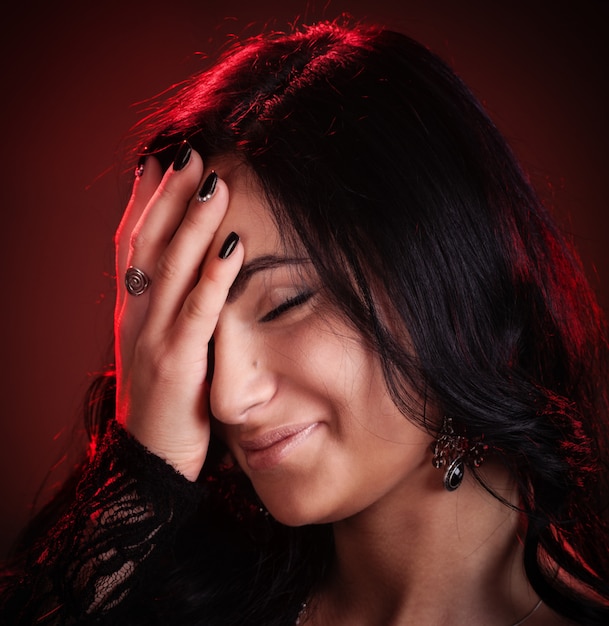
x=122, y=524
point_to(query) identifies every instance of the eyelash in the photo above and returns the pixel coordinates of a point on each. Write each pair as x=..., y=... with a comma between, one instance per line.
x=288, y=304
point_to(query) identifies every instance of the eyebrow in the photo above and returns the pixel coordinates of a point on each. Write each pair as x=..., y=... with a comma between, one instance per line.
x=260, y=264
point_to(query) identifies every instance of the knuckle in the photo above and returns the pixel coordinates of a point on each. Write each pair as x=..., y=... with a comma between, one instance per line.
x=216, y=275
x=166, y=367
x=195, y=309
x=161, y=366
x=193, y=219
x=166, y=191
x=143, y=357
x=166, y=268
x=138, y=240
x=153, y=360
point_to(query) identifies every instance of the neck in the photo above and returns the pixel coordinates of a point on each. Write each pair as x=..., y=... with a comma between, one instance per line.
x=434, y=556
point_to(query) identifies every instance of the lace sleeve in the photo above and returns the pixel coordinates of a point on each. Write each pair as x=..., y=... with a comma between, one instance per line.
x=128, y=507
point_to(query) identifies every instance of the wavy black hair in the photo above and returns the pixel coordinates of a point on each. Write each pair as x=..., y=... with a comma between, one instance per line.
x=378, y=160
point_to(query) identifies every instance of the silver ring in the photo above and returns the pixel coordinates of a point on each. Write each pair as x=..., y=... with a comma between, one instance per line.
x=136, y=281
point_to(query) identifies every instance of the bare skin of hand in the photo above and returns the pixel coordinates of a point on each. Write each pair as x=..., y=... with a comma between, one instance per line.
x=162, y=336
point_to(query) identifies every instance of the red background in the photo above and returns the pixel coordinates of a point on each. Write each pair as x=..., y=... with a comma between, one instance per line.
x=72, y=75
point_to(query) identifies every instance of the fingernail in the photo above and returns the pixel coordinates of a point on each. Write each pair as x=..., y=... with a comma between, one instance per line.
x=230, y=243
x=182, y=157
x=139, y=168
x=208, y=188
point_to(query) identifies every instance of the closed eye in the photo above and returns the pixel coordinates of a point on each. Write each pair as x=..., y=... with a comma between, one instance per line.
x=288, y=304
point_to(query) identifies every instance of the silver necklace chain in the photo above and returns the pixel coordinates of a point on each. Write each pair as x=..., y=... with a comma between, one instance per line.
x=303, y=611
x=526, y=617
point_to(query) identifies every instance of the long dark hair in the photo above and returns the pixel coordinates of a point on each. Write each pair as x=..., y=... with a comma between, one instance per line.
x=377, y=159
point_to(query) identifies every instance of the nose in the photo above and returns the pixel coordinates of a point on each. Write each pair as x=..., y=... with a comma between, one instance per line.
x=241, y=380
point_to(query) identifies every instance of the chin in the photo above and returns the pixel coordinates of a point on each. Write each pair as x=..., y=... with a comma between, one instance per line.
x=291, y=512
x=293, y=516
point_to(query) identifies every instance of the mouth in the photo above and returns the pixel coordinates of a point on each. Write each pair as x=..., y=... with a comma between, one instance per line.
x=268, y=450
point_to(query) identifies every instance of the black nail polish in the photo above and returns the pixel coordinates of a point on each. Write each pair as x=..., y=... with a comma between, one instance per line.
x=230, y=243
x=139, y=168
x=209, y=187
x=182, y=156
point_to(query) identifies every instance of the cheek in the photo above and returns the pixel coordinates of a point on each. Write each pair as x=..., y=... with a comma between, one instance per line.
x=330, y=354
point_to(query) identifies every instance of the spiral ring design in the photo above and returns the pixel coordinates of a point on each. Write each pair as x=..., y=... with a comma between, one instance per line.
x=136, y=281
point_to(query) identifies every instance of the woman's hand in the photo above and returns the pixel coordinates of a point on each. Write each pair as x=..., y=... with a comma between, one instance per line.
x=162, y=335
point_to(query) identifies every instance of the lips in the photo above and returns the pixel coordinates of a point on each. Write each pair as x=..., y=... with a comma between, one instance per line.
x=270, y=448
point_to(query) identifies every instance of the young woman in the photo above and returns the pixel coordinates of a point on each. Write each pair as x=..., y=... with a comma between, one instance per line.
x=360, y=376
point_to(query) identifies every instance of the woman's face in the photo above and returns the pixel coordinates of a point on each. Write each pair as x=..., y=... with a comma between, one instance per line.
x=298, y=397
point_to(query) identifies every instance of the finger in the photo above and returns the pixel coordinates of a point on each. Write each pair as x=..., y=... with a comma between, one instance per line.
x=199, y=315
x=143, y=189
x=179, y=267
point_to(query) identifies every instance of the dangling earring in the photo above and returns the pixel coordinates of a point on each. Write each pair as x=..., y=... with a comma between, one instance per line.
x=453, y=452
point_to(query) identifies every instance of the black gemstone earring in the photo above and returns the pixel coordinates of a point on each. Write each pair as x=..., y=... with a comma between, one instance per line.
x=453, y=452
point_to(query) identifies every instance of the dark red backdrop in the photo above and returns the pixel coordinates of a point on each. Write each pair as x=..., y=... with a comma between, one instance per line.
x=71, y=73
